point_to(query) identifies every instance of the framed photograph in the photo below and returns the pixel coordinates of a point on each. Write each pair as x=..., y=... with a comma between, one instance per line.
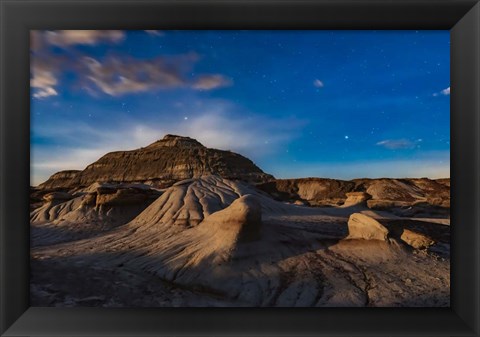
x=240, y=168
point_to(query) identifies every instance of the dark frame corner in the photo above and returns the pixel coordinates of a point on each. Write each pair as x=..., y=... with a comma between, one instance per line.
x=461, y=17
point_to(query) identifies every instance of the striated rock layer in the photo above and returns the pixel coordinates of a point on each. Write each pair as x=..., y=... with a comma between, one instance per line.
x=162, y=163
x=100, y=207
x=398, y=195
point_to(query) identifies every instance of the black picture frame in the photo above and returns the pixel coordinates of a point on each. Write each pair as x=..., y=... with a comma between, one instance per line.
x=461, y=17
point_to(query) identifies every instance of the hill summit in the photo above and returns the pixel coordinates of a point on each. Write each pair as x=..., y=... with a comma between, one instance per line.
x=162, y=163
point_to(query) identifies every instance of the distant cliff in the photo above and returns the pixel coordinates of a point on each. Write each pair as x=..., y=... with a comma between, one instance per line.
x=381, y=193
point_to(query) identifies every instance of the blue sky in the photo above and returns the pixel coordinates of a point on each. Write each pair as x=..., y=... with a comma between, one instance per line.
x=339, y=104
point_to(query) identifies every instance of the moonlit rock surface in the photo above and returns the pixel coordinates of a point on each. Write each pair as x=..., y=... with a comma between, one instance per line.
x=361, y=226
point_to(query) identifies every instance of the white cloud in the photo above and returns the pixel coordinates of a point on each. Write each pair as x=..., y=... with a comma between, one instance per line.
x=45, y=160
x=212, y=126
x=45, y=92
x=155, y=32
x=114, y=75
x=43, y=81
x=318, y=84
x=397, y=144
x=209, y=82
x=66, y=38
x=118, y=76
x=444, y=92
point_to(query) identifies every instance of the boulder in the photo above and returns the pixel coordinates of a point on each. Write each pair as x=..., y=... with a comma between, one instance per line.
x=361, y=226
x=416, y=240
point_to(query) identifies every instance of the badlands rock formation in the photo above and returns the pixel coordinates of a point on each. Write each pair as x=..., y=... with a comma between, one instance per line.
x=407, y=197
x=356, y=198
x=178, y=224
x=161, y=164
x=210, y=241
x=314, y=191
x=64, y=216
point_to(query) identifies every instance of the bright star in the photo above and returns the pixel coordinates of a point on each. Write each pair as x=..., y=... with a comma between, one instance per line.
x=185, y=118
x=346, y=137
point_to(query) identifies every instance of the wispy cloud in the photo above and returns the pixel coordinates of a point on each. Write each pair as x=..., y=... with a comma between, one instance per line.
x=213, y=127
x=67, y=38
x=44, y=77
x=398, y=144
x=444, y=92
x=118, y=76
x=155, y=32
x=113, y=75
x=43, y=82
x=318, y=84
x=209, y=82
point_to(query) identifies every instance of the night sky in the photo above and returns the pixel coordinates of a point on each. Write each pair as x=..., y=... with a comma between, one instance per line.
x=338, y=104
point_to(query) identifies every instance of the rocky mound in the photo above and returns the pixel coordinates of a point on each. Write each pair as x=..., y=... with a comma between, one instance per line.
x=64, y=216
x=239, y=222
x=161, y=164
x=189, y=202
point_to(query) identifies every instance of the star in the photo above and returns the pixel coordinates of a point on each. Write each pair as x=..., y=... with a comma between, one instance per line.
x=185, y=118
x=346, y=137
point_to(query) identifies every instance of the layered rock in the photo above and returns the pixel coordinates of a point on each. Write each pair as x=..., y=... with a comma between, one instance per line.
x=63, y=216
x=62, y=179
x=161, y=164
x=380, y=194
x=57, y=196
x=311, y=191
x=188, y=203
